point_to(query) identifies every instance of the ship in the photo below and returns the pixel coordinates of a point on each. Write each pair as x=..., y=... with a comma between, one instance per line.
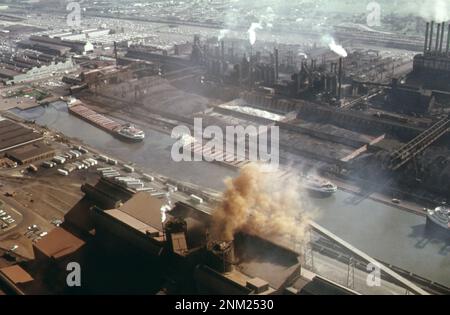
x=131, y=132
x=318, y=186
x=126, y=132
x=439, y=219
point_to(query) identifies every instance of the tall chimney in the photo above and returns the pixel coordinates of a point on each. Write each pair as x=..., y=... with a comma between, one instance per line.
x=115, y=52
x=431, y=36
x=222, y=52
x=340, y=78
x=448, y=40
x=437, y=37
x=250, y=70
x=425, y=49
x=277, y=69
x=442, y=36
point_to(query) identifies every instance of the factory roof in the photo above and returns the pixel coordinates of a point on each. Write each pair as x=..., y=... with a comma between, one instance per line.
x=59, y=243
x=144, y=208
x=30, y=151
x=130, y=221
x=16, y=274
x=13, y=135
x=7, y=73
x=42, y=42
x=260, y=258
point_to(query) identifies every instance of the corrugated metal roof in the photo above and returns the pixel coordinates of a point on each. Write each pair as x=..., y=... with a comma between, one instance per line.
x=145, y=208
x=16, y=274
x=30, y=151
x=59, y=243
x=13, y=135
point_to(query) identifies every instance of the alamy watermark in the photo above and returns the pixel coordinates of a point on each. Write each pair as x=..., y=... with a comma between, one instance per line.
x=374, y=14
x=74, y=16
x=374, y=277
x=73, y=279
x=237, y=144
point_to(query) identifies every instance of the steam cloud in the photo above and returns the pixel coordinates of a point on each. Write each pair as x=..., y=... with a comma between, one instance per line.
x=303, y=55
x=252, y=32
x=222, y=34
x=265, y=21
x=338, y=49
x=436, y=10
x=261, y=204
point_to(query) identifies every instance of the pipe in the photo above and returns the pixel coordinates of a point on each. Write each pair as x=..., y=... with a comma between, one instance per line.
x=250, y=70
x=437, y=37
x=340, y=78
x=442, y=36
x=425, y=49
x=448, y=39
x=431, y=36
x=115, y=51
x=277, y=69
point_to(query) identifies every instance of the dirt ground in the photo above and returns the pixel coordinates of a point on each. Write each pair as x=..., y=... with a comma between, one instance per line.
x=39, y=199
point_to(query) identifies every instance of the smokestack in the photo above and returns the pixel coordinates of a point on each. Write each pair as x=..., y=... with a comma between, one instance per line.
x=231, y=54
x=221, y=256
x=340, y=78
x=217, y=52
x=115, y=51
x=425, y=49
x=437, y=37
x=222, y=45
x=239, y=73
x=431, y=36
x=442, y=36
x=277, y=69
x=448, y=40
x=250, y=70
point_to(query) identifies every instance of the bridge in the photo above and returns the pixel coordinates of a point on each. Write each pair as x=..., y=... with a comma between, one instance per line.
x=359, y=256
x=419, y=144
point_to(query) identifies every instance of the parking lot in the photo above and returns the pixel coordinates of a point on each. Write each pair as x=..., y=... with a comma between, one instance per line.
x=9, y=218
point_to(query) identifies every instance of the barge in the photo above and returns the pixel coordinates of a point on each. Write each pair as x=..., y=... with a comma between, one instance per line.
x=123, y=131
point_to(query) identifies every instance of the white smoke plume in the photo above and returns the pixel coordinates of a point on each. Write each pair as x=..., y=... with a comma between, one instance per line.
x=266, y=21
x=303, y=54
x=252, y=32
x=435, y=10
x=262, y=204
x=222, y=34
x=338, y=49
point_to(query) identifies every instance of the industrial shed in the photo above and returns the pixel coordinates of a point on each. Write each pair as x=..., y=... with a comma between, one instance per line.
x=31, y=153
x=13, y=135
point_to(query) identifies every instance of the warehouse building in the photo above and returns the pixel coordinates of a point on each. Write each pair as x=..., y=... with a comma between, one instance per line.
x=29, y=65
x=31, y=153
x=13, y=135
x=37, y=73
x=46, y=42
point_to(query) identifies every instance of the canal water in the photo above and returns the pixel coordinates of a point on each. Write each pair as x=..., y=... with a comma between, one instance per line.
x=382, y=231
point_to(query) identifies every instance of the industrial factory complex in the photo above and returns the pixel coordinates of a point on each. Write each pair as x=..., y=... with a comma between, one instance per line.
x=92, y=200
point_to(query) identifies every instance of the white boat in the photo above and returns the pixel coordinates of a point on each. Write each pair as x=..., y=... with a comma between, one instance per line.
x=131, y=132
x=319, y=186
x=439, y=219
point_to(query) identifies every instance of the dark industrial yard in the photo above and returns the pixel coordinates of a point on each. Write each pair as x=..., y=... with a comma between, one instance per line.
x=87, y=168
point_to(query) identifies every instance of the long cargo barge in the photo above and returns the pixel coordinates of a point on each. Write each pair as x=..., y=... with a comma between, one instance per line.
x=123, y=131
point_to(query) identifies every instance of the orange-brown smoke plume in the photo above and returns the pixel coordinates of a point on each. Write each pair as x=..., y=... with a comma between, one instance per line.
x=260, y=203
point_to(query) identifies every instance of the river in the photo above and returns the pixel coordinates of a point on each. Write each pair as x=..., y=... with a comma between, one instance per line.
x=382, y=231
